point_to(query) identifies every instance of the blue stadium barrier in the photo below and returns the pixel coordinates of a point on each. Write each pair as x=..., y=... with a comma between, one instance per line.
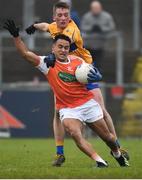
x=35, y=109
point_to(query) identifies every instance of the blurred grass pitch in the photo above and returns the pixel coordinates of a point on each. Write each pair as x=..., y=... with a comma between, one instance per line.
x=32, y=158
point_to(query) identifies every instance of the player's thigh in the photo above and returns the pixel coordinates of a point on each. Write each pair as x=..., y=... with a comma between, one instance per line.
x=56, y=113
x=100, y=128
x=56, y=116
x=98, y=96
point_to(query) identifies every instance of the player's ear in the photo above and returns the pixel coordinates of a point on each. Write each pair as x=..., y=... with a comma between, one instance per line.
x=53, y=48
x=53, y=18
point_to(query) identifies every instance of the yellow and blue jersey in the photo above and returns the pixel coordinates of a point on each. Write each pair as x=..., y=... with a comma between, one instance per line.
x=74, y=34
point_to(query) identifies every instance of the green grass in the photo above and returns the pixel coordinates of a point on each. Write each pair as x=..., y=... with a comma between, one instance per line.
x=32, y=158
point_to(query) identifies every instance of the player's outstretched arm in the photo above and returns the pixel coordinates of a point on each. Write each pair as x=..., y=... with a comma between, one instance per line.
x=21, y=47
x=41, y=26
x=37, y=26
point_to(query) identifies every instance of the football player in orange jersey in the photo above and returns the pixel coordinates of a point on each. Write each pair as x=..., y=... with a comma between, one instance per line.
x=63, y=24
x=74, y=102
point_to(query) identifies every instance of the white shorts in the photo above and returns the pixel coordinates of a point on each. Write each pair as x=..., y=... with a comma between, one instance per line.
x=89, y=112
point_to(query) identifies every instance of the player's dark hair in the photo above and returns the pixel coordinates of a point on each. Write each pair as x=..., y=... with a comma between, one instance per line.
x=60, y=5
x=61, y=36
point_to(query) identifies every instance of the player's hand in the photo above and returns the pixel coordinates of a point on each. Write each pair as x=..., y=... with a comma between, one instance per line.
x=50, y=60
x=11, y=27
x=31, y=29
x=94, y=75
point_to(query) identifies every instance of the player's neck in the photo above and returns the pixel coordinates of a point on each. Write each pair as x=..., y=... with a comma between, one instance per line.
x=61, y=29
x=63, y=60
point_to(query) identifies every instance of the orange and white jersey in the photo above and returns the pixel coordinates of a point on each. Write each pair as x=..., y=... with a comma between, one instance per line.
x=68, y=91
x=73, y=33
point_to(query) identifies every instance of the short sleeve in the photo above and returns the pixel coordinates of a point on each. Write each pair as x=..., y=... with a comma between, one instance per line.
x=42, y=65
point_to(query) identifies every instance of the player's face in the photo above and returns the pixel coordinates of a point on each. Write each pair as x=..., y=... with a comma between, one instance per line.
x=62, y=17
x=61, y=49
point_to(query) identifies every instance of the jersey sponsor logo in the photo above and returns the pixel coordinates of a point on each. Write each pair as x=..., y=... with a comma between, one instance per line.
x=66, y=77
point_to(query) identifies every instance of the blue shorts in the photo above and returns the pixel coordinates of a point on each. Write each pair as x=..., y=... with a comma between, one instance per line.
x=91, y=86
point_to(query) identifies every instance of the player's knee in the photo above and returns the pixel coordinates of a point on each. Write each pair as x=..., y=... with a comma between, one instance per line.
x=73, y=132
x=110, y=138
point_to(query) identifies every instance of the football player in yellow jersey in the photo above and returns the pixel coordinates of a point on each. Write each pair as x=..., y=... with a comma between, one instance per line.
x=64, y=25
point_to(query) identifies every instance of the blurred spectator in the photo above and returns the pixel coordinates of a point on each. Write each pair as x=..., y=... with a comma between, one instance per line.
x=74, y=13
x=95, y=26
